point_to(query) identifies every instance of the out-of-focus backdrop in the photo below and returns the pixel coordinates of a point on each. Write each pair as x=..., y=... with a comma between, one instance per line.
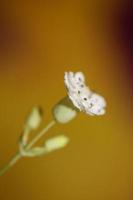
x=39, y=41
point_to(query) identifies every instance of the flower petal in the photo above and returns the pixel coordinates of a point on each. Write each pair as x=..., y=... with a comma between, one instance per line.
x=81, y=96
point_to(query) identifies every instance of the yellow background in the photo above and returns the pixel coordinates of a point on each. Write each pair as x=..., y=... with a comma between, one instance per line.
x=54, y=37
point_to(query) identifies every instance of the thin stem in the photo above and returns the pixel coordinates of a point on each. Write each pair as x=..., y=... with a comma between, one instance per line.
x=18, y=154
x=10, y=163
x=38, y=136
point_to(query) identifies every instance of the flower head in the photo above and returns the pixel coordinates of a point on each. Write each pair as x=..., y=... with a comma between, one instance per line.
x=81, y=95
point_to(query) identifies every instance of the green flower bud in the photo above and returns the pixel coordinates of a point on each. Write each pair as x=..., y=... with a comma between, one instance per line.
x=56, y=143
x=64, y=111
x=34, y=119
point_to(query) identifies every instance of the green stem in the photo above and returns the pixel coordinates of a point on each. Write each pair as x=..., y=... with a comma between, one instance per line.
x=10, y=163
x=38, y=136
x=18, y=154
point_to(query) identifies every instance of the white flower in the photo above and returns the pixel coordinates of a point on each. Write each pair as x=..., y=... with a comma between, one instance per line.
x=81, y=96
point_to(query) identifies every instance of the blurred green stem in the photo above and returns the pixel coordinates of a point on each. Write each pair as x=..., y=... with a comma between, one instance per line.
x=18, y=154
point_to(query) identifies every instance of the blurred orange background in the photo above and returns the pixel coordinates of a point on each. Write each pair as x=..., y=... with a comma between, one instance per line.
x=39, y=41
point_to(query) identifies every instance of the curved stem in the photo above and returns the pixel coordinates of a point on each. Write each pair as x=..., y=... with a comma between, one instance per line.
x=18, y=154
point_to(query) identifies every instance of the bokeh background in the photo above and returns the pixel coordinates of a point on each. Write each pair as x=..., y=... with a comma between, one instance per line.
x=39, y=41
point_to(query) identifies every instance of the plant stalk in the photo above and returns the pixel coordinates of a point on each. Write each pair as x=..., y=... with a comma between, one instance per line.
x=18, y=155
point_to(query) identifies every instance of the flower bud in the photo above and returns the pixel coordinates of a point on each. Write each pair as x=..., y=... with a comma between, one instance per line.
x=34, y=119
x=64, y=111
x=56, y=143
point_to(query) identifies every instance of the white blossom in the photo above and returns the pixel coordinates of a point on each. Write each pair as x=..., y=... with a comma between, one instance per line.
x=81, y=95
